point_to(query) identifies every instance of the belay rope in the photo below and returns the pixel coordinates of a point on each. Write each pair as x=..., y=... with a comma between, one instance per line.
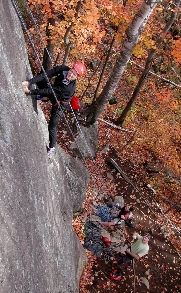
x=38, y=31
x=14, y=2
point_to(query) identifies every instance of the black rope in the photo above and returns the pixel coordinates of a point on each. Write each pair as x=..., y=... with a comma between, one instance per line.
x=38, y=31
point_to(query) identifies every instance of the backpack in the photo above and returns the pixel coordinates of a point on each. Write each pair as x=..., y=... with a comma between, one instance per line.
x=116, y=275
x=106, y=240
x=75, y=103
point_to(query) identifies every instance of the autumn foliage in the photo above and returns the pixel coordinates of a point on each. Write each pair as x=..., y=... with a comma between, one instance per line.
x=156, y=115
x=153, y=126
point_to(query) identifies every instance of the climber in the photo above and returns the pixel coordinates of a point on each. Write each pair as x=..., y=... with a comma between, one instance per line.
x=63, y=87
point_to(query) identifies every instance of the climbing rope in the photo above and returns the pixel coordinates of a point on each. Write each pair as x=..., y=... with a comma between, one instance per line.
x=48, y=81
x=38, y=31
x=134, y=280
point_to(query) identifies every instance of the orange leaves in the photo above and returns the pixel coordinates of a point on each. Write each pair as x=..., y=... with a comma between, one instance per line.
x=47, y=8
x=163, y=95
x=146, y=43
x=160, y=125
x=176, y=52
x=97, y=36
x=33, y=2
x=138, y=51
x=88, y=23
x=174, y=104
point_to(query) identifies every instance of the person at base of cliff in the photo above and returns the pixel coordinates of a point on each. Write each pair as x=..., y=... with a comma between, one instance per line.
x=124, y=214
x=62, y=90
x=137, y=250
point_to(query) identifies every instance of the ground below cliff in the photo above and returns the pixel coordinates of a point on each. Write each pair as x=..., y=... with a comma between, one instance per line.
x=159, y=272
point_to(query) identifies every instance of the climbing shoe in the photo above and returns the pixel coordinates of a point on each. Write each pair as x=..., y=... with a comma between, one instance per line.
x=50, y=151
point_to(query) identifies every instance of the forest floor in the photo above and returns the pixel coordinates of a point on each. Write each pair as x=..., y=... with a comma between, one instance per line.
x=160, y=270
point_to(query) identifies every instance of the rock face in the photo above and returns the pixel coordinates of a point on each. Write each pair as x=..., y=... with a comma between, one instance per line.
x=86, y=143
x=39, y=250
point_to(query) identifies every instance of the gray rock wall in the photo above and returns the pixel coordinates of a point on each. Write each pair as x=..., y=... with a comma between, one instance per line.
x=39, y=250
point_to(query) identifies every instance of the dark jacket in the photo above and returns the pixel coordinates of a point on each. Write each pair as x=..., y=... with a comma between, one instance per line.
x=63, y=92
x=124, y=213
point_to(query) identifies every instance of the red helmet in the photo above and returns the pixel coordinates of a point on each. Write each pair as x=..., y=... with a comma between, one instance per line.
x=79, y=68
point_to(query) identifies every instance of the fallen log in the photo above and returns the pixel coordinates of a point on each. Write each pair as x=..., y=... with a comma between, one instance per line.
x=114, y=126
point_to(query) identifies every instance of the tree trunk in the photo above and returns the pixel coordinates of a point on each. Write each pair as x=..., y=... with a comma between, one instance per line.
x=66, y=53
x=66, y=38
x=132, y=35
x=140, y=83
x=48, y=51
x=104, y=67
x=47, y=64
